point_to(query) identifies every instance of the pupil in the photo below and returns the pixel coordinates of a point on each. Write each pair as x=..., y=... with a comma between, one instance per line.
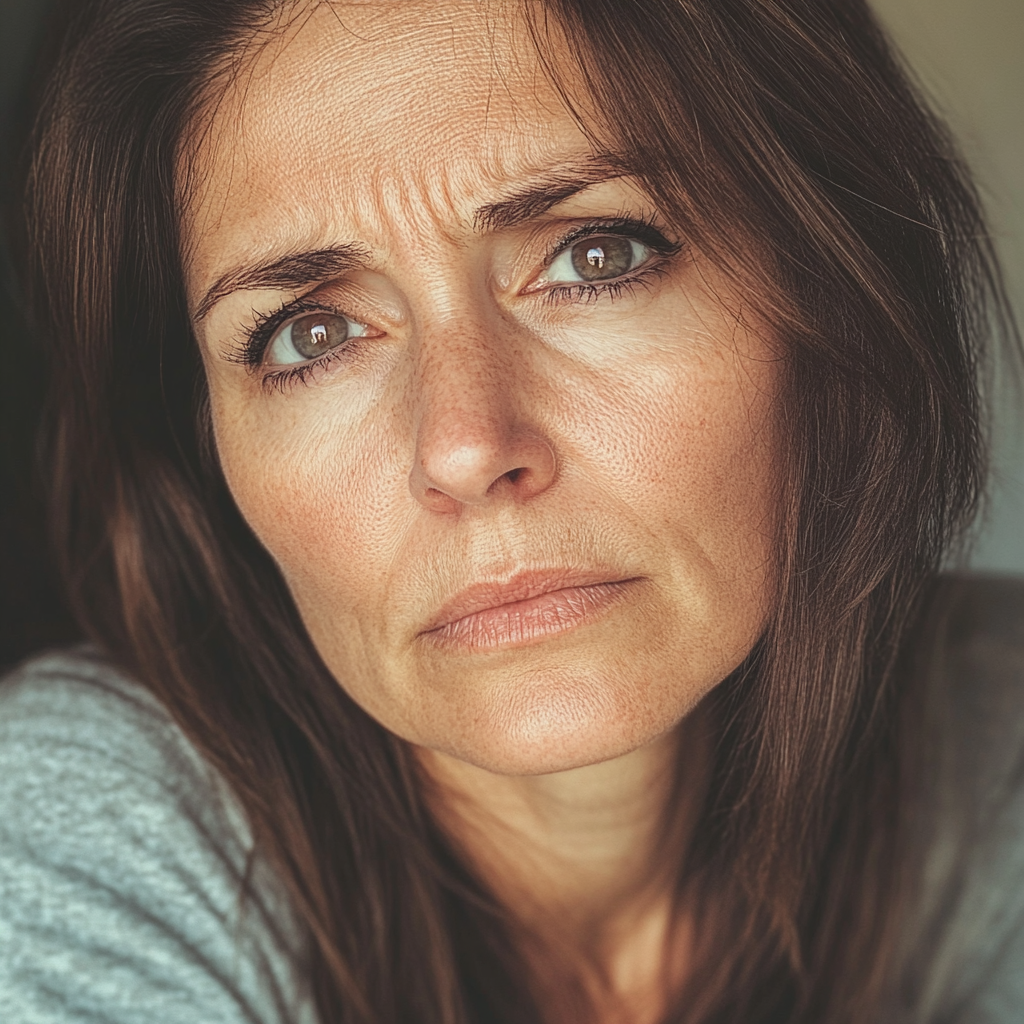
x=603, y=258
x=317, y=333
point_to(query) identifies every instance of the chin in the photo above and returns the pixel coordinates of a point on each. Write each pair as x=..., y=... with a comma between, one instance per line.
x=556, y=723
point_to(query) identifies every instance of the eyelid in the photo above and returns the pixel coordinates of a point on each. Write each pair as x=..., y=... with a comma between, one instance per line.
x=258, y=338
x=628, y=227
x=634, y=228
x=252, y=352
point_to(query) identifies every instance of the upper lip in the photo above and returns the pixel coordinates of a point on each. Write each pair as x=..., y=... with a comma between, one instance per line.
x=521, y=587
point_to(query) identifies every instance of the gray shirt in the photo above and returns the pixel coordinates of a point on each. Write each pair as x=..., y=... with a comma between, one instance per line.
x=122, y=856
x=121, y=865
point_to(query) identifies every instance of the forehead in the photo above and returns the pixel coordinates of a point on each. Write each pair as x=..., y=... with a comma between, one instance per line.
x=346, y=115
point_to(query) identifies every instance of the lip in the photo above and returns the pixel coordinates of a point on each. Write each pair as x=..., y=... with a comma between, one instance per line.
x=525, y=608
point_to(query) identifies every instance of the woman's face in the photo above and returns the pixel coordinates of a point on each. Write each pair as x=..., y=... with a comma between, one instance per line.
x=509, y=442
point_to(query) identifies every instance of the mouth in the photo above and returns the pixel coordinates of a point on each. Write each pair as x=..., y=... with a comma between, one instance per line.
x=525, y=609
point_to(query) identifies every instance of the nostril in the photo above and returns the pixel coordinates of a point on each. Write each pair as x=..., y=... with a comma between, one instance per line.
x=514, y=474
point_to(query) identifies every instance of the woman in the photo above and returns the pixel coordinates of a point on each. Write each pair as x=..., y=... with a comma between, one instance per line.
x=503, y=454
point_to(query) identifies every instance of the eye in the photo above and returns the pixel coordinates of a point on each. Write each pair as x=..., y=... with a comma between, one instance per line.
x=597, y=258
x=310, y=336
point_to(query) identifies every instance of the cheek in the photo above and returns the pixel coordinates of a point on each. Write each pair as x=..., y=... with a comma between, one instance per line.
x=678, y=418
x=681, y=452
x=691, y=458
x=320, y=492
x=689, y=448
x=720, y=474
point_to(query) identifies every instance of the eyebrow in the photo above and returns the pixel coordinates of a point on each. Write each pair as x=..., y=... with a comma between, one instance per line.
x=297, y=270
x=546, y=191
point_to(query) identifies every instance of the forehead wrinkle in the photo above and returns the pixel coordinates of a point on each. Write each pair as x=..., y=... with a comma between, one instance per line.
x=313, y=174
x=313, y=80
x=496, y=59
x=228, y=84
x=520, y=40
x=411, y=201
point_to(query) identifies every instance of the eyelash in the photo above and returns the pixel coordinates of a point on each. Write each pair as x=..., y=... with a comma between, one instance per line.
x=259, y=336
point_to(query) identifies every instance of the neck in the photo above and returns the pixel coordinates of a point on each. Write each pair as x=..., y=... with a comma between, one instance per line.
x=587, y=859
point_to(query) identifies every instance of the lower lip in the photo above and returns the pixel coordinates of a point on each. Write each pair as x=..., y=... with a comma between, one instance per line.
x=526, y=622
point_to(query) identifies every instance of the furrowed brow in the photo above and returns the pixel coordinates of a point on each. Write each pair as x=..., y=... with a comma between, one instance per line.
x=545, y=192
x=296, y=270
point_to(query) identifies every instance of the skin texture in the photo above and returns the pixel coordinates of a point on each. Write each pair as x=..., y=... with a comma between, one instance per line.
x=482, y=426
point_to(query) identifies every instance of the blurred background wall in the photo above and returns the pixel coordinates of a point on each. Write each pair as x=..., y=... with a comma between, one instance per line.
x=967, y=54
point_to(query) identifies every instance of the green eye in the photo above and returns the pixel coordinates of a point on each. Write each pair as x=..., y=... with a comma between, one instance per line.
x=310, y=336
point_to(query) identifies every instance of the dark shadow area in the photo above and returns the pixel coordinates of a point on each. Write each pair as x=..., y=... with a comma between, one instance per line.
x=32, y=612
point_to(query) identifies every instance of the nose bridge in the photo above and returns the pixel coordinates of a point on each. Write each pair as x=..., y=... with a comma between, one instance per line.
x=465, y=380
x=473, y=432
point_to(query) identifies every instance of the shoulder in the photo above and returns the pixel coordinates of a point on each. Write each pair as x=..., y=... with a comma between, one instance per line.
x=123, y=863
x=90, y=757
x=65, y=709
x=973, y=770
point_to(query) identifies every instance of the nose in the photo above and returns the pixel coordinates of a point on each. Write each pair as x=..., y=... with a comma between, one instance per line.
x=473, y=444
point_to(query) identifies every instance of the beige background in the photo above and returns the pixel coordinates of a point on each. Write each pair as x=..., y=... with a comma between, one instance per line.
x=969, y=55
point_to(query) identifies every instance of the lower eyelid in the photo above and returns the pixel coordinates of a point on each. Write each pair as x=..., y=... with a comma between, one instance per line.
x=580, y=291
x=283, y=375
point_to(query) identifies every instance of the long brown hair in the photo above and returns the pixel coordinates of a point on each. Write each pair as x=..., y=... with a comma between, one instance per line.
x=781, y=136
